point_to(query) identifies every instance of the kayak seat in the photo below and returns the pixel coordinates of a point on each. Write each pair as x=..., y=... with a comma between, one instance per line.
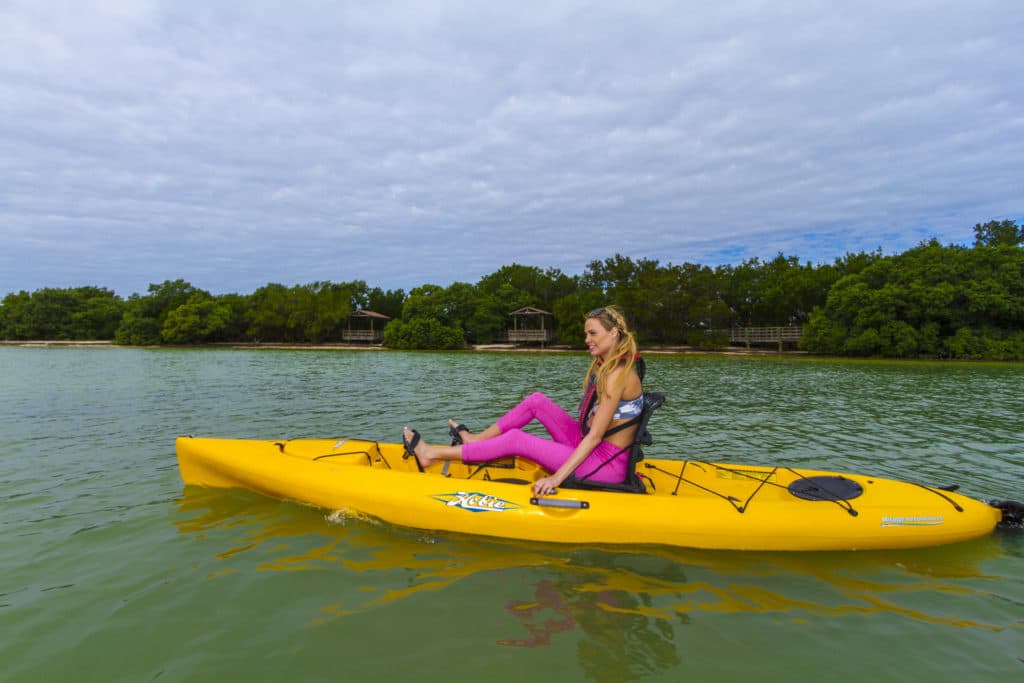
x=635, y=453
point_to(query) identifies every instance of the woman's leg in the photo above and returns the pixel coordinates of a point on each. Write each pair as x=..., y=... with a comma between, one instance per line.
x=606, y=463
x=562, y=426
x=548, y=454
x=468, y=436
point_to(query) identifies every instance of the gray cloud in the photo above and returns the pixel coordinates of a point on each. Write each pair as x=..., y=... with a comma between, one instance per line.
x=235, y=144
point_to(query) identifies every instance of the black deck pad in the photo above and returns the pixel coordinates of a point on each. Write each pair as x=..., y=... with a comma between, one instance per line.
x=825, y=487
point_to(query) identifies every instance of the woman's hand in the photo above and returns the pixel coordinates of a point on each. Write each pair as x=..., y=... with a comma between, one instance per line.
x=598, y=426
x=545, y=486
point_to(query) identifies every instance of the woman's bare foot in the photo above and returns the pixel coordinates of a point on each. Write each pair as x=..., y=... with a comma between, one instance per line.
x=421, y=448
x=466, y=435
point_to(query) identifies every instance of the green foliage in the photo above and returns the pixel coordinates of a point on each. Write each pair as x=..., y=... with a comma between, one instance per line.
x=571, y=310
x=710, y=340
x=144, y=316
x=429, y=302
x=823, y=334
x=15, y=316
x=518, y=286
x=269, y=313
x=653, y=296
x=84, y=313
x=998, y=234
x=315, y=312
x=929, y=301
x=239, y=309
x=433, y=317
x=318, y=311
x=480, y=313
x=387, y=302
x=200, y=319
x=422, y=333
x=777, y=292
x=137, y=329
x=511, y=288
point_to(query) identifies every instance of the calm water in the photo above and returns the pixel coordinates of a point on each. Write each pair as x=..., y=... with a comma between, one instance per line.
x=110, y=570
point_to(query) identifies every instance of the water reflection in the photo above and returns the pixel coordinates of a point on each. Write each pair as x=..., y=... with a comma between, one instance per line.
x=621, y=634
x=616, y=602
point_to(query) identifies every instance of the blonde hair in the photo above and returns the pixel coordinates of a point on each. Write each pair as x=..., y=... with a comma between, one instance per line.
x=611, y=317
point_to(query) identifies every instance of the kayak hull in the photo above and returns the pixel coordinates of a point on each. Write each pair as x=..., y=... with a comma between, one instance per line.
x=689, y=504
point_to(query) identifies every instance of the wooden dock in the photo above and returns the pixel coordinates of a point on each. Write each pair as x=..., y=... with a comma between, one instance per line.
x=765, y=335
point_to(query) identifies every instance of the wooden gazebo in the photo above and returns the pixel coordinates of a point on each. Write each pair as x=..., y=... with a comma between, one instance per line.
x=531, y=325
x=361, y=333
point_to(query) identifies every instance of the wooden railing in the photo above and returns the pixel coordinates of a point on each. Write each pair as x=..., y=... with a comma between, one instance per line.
x=764, y=335
x=362, y=335
x=530, y=336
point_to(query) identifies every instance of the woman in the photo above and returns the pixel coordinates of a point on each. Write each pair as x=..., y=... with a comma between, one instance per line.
x=596, y=446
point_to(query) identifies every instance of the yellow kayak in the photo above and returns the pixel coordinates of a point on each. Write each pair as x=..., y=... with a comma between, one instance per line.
x=688, y=503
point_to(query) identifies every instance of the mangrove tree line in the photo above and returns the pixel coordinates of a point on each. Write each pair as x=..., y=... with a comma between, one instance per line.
x=930, y=301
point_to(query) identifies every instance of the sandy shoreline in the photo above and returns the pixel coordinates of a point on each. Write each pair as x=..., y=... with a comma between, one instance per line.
x=56, y=343
x=731, y=351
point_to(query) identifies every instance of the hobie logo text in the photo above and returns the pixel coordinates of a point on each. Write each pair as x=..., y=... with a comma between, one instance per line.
x=475, y=502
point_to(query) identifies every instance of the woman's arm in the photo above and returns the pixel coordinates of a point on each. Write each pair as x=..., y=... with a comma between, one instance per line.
x=598, y=426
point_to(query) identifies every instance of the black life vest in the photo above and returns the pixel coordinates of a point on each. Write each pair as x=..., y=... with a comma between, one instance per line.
x=590, y=398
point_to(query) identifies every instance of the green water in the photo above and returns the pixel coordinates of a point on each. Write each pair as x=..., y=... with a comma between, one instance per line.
x=110, y=570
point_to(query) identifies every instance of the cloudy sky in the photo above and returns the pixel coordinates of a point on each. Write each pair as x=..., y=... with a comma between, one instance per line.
x=237, y=143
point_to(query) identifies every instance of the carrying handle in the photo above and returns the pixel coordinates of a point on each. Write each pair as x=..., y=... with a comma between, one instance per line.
x=556, y=503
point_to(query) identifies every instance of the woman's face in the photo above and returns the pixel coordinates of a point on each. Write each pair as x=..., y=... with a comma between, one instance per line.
x=599, y=341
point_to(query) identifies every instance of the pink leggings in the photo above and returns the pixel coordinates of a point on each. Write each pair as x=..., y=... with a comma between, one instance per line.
x=565, y=432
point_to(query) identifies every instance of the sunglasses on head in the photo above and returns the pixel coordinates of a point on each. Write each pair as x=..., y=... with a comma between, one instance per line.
x=602, y=313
